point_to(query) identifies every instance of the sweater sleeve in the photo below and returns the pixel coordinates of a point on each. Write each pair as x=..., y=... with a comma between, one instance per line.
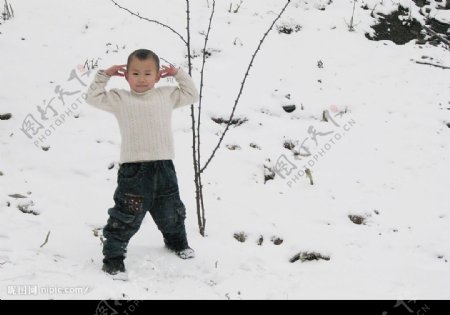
x=186, y=93
x=98, y=97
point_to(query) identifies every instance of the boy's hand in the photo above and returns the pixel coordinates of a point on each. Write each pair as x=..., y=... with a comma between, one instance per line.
x=168, y=71
x=117, y=70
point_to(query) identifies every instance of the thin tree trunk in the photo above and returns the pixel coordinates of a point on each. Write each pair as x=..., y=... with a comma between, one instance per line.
x=201, y=214
x=194, y=145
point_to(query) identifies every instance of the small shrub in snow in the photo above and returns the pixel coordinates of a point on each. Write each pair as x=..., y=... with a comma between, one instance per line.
x=8, y=12
x=308, y=256
x=234, y=121
x=27, y=207
x=357, y=219
x=233, y=147
x=288, y=28
x=260, y=240
x=236, y=9
x=240, y=236
x=255, y=146
x=289, y=144
x=269, y=174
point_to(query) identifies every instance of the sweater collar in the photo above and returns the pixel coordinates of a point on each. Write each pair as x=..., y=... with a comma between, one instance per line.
x=141, y=93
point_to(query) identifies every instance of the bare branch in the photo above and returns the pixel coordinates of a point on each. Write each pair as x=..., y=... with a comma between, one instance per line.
x=165, y=60
x=433, y=33
x=243, y=83
x=432, y=64
x=152, y=21
x=238, y=6
x=201, y=80
x=202, y=218
x=46, y=239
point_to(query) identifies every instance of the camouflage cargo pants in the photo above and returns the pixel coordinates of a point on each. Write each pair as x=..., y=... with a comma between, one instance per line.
x=145, y=186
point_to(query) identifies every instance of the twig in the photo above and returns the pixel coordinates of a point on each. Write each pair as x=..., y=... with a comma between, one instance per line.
x=432, y=64
x=243, y=83
x=46, y=239
x=430, y=31
x=201, y=79
x=8, y=12
x=371, y=13
x=167, y=61
x=238, y=6
x=308, y=173
x=150, y=20
x=350, y=27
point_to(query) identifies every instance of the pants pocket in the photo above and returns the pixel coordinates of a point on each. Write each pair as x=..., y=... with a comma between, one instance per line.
x=168, y=182
x=133, y=203
x=129, y=171
x=169, y=213
x=121, y=216
x=129, y=208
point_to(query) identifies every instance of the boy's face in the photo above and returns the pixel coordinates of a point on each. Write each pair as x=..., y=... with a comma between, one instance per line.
x=142, y=75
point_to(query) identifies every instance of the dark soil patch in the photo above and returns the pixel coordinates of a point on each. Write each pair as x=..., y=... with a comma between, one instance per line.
x=289, y=108
x=357, y=219
x=401, y=29
x=421, y=3
x=438, y=26
x=5, y=116
x=276, y=240
x=397, y=27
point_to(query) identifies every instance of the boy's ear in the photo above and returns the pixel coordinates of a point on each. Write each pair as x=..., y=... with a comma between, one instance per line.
x=158, y=76
x=126, y=75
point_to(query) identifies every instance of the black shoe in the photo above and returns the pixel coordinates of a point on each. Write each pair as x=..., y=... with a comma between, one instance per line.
x=113, y=266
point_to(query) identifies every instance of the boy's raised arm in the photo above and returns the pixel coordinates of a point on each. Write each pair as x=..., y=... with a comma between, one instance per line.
x=186, y=93
x=98, y=97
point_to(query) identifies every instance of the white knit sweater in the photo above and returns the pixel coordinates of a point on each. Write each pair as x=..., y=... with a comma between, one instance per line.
x=144, y=118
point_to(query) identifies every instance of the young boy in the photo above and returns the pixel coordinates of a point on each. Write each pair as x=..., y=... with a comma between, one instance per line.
x=146, y=178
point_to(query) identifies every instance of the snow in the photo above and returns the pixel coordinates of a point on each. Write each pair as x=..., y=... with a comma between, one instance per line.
x=392, y=158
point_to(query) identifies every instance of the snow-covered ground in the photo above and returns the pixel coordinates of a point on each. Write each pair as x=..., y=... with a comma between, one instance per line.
x=383, y=155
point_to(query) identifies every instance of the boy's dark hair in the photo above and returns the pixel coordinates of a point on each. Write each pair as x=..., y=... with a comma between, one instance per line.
x=143, y=54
